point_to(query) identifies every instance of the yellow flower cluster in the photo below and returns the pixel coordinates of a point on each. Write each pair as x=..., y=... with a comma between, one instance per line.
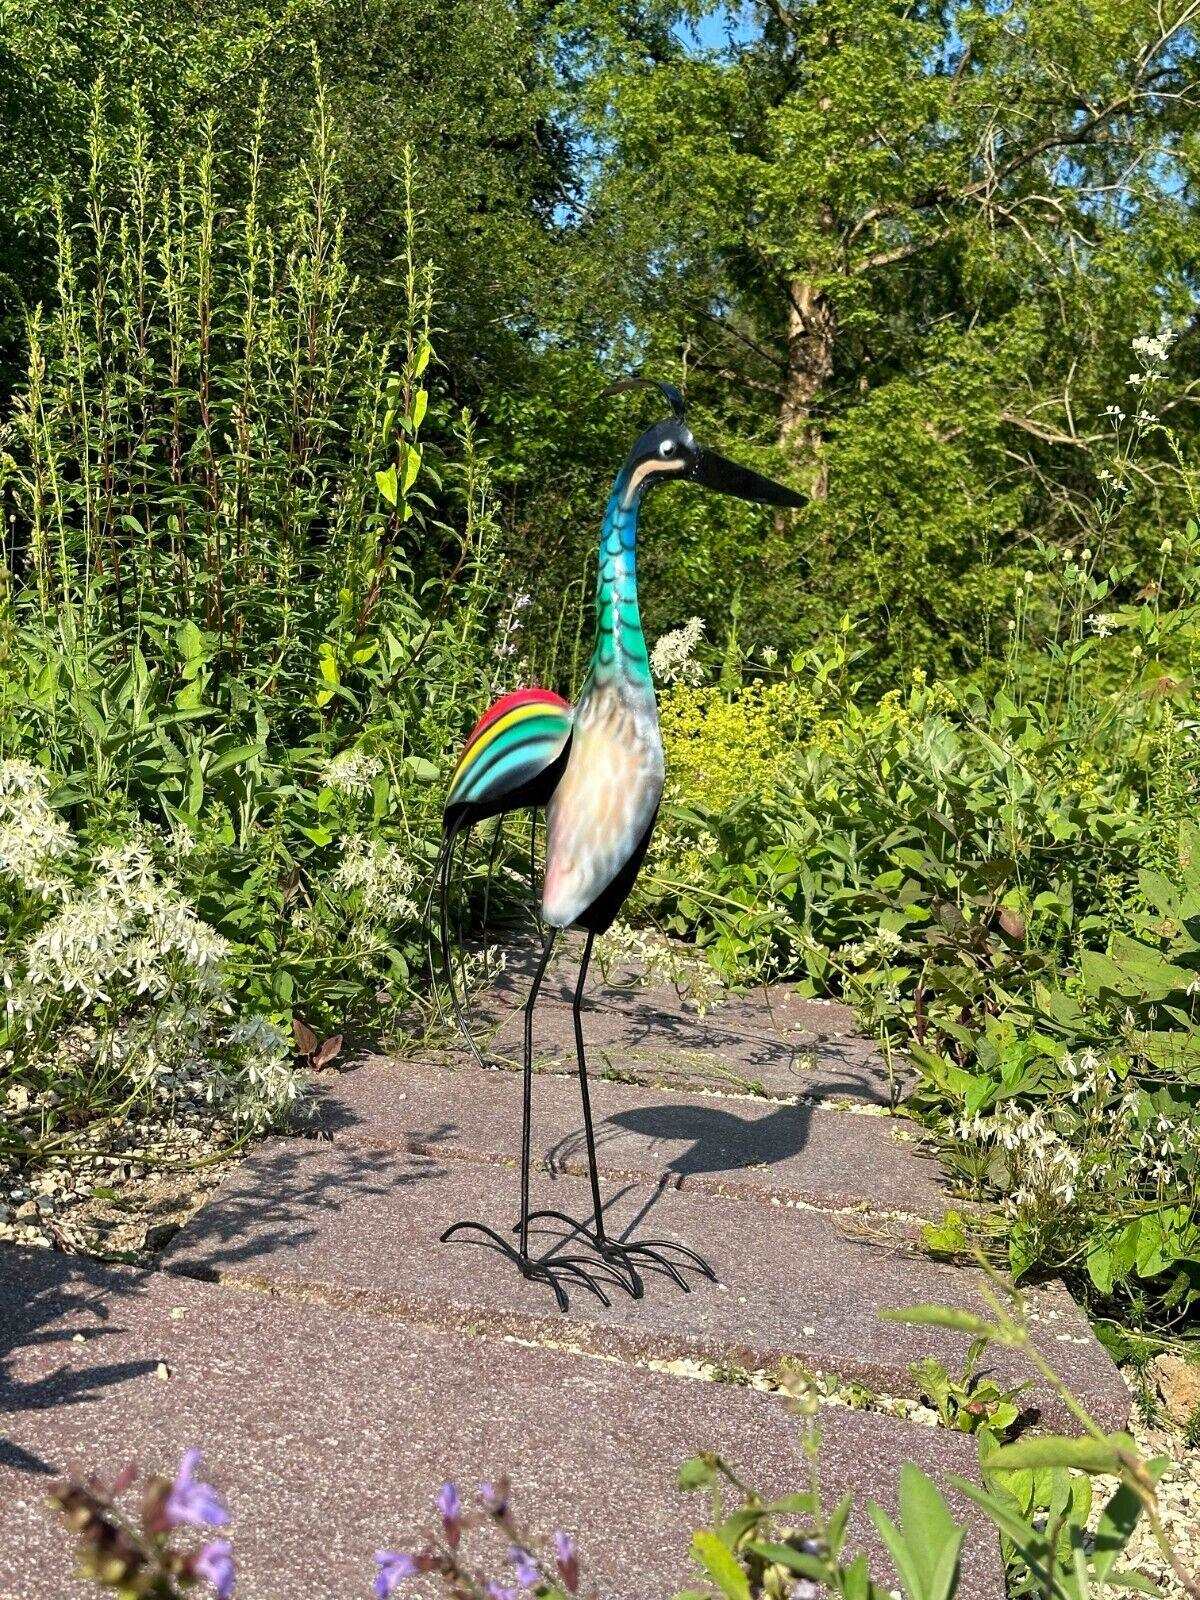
x=721, y=747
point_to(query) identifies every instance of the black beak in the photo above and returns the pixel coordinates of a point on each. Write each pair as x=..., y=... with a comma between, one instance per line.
x=726, y=477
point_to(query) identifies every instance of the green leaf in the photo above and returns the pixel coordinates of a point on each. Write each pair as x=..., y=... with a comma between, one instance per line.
x=928, y=1526
x=234, y=757
x=1113, y=1531
x=189, y=641
x=191, y=696
x=1001, y=1512
x=925, y=1551
x=194, y=795
x=722, y=1567
x=420, y=406
x=856, y=1580
x=1134, y=1581
x=947, y=1237
x=1084, y=1455
x=902, y=1556
x=1101, y=1266
x=385, y=482
x=738, y=1524
x=695, y=1473
x=327, y=664
x=783, y=1555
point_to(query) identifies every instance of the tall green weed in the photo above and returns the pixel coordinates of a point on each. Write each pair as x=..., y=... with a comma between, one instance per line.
x=248, y=564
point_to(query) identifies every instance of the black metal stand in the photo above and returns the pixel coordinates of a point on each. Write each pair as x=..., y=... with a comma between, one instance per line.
x=659, y=1254
x=620, y=1259
x=551, y=1268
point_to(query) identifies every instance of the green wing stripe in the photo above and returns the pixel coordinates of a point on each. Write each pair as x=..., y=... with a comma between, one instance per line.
x=535, y=740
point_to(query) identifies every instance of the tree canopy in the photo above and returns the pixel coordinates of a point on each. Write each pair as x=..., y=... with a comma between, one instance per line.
x=901, y=248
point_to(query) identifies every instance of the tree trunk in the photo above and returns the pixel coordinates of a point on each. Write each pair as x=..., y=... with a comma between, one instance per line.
x=811, y=329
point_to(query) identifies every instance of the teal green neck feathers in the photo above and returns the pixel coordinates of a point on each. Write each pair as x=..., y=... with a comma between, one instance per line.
x=620, y=652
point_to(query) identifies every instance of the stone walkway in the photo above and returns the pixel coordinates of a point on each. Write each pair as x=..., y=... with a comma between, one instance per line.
x=336, y=1362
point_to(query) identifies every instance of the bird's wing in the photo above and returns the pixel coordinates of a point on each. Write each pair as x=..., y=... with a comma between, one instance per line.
x=510, y=748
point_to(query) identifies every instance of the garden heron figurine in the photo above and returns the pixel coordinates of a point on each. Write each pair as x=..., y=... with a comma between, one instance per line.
x=597, y=769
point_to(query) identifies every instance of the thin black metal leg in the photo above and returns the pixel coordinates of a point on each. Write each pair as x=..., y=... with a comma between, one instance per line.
x=555, y=1269
x=527, y=1098
x=581, y=1059
x=660, y=1255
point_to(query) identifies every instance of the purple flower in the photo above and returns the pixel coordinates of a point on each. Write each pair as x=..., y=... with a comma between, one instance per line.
x=493, y=1497
x=497, y=1591
x=191, y=1501
x=527, y=1570
x=450, y=1506
x=394, y=1566
x=215, y=1565
x=567, y=1557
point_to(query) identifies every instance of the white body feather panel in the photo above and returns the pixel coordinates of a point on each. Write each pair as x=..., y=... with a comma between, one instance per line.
x=605, y=799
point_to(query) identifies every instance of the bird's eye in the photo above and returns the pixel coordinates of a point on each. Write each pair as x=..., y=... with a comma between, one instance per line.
x=667, y=447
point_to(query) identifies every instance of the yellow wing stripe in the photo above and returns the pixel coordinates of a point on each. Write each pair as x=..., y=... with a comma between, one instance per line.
x=508, y=720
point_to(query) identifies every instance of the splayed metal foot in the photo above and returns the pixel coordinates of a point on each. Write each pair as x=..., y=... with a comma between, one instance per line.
x=658, y=1255
x=557, y=1271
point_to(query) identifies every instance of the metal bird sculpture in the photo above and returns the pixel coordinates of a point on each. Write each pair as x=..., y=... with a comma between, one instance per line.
x=597, y=769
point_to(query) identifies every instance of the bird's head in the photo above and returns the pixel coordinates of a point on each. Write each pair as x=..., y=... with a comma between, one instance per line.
x=669, y=450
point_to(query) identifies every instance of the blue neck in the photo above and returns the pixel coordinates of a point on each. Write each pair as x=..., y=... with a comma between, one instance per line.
x=620, y=651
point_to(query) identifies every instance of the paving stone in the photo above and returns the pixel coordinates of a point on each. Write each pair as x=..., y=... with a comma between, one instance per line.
x=329, y=1433
x=768, y=1040
x=769, y=1010
x=772, y=1044
x=362, y=1227
x=740, y=1146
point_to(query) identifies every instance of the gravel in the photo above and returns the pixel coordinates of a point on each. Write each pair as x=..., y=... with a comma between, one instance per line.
x=1179, y=1504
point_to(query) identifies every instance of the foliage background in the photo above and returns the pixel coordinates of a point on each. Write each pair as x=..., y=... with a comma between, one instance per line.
x=304, y=319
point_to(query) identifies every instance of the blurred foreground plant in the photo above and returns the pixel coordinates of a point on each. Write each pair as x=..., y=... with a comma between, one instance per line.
x=137, y=1558
x=1038, y=1490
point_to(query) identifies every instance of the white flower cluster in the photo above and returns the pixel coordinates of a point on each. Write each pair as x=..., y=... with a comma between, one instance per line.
x=380, y=874
x=1154, y=347
x=1091, y=1078
x=34, y=838
x=352, y=771
x=122, y=972
x=1043, y=1169
x=124, y=928
x=1165, y=1149
x=506, y=645
x=881, y=946
x=269, y=1080
x=673, y=658
x=656, y=962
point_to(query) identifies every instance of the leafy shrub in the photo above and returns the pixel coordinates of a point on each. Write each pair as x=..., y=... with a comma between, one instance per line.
x=1001, y=876
x=236, y=626
x=115, y=991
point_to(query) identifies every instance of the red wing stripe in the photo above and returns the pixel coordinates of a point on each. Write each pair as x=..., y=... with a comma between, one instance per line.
x=509, y=702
